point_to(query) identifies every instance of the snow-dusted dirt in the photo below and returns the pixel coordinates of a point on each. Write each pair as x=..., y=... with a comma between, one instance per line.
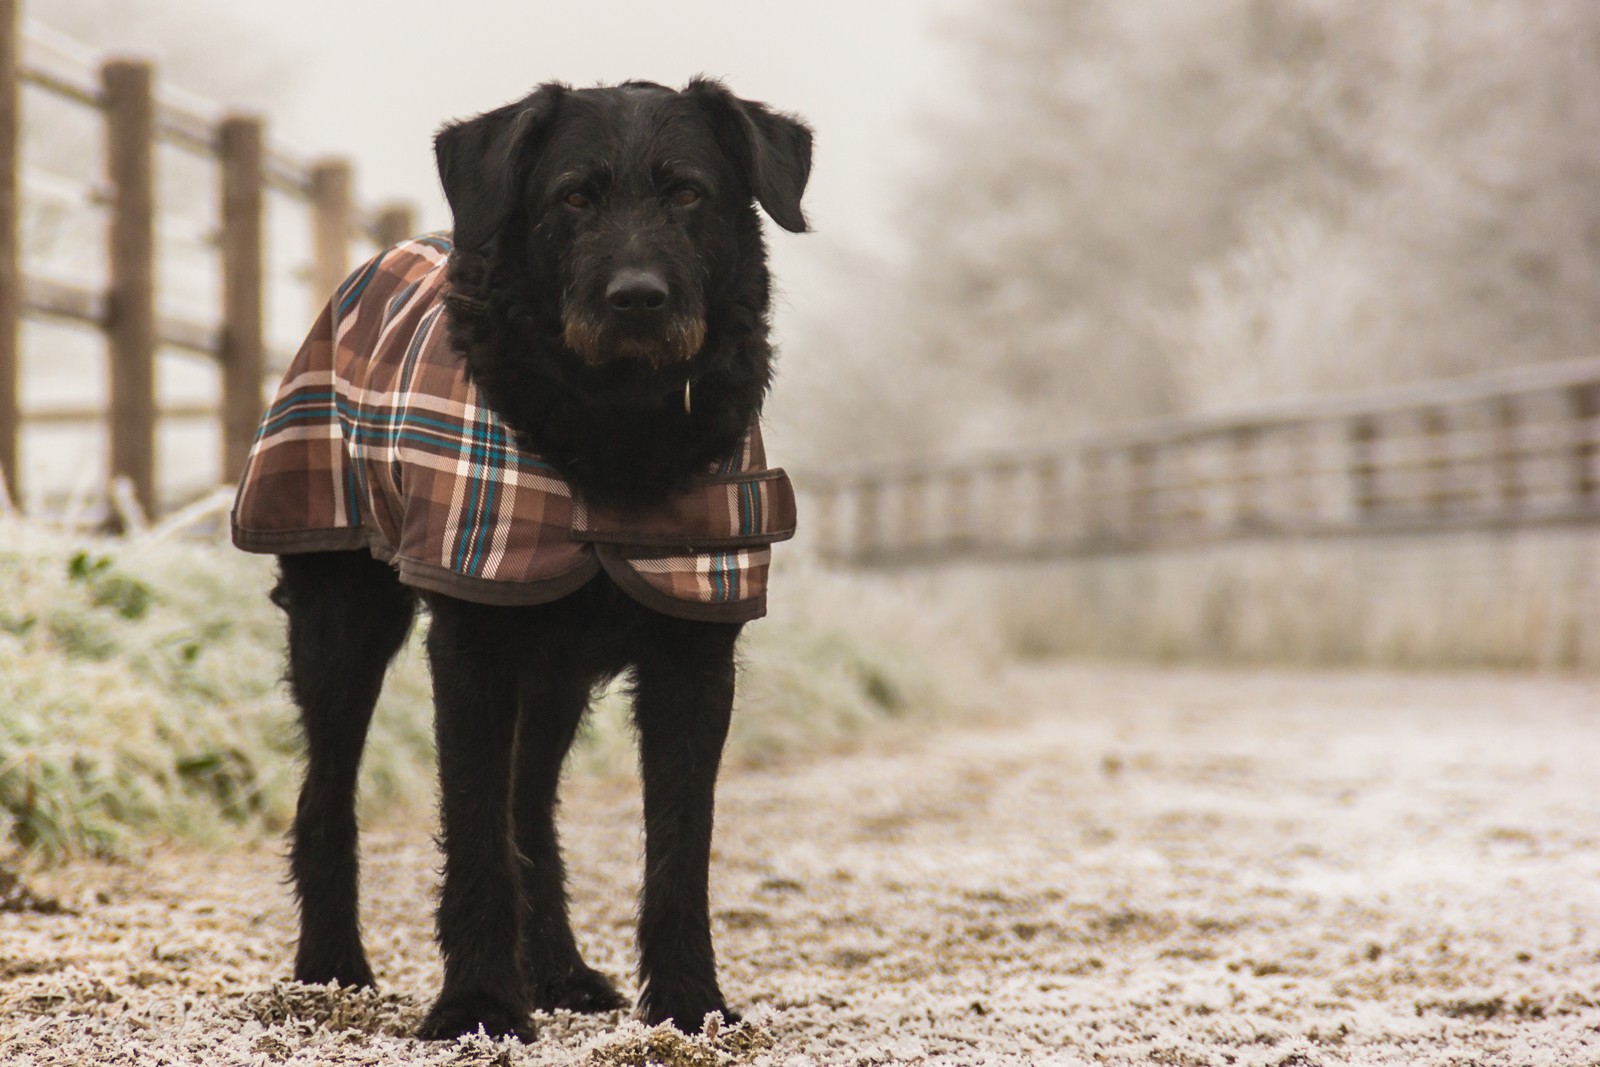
x=1177, y=867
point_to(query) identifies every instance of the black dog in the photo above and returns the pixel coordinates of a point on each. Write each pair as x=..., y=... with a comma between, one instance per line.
x=608, y=264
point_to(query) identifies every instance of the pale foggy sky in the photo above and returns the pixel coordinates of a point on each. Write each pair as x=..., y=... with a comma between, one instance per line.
x=373, y=80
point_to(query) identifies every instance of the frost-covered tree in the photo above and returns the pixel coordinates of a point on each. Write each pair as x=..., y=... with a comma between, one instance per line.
x=1142, y=207
x=1473, y=239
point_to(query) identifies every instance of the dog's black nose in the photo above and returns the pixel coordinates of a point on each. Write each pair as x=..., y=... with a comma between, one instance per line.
x=637, y=291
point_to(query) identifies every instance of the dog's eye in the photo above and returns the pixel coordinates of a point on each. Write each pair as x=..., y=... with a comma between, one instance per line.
x=577, y=200
x=685, y=197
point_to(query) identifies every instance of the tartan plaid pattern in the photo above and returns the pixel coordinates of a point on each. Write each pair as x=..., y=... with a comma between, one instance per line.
x=377, y=439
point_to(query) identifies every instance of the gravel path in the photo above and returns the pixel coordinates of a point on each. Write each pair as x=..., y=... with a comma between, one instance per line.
x=1176, y=867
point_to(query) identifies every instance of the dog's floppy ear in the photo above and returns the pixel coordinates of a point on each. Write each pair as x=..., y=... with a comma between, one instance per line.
x=480, y=160
x=773, y=149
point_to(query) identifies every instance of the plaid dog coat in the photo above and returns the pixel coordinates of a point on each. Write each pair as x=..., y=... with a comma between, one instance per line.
x=377, y=439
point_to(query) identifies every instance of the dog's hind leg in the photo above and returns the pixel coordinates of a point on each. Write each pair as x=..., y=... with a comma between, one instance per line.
x=553, y=699
x=348, y=616
x=683, y=701
x=473, y=650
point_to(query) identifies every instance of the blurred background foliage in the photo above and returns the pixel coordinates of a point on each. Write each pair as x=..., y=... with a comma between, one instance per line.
x=1151, y=207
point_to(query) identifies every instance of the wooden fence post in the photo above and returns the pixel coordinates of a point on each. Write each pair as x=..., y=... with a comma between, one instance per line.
x=1051, y=511
x=1304, y=510
x=10, y=269
x=826, y=499
x=1144, y=518
x=1364, y=489
x=1508, y=455
x=1002, y=506
x=1180, y=475
x=243, y=347
x=868, y=525
x=1584, y=403
x=395, y=223
x=1095, y=497
x=912, y=534
x=330, y=225
x=1246, y=478
x=960, y=528
x=1438, y=475
x=130, y=126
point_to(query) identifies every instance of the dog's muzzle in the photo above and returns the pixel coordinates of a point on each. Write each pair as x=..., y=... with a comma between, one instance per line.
x=639, y=321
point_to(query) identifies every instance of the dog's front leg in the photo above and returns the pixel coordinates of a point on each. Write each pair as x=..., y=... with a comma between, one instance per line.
x=348, y=615
x=555, y=694
x=683, y=701
x=473, y=658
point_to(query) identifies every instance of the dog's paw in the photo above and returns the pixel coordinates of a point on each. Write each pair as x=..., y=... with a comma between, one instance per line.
x=730, y=1018
x=451, y=1018
x=582, y=989
x=690, y=1020
x=349, y=973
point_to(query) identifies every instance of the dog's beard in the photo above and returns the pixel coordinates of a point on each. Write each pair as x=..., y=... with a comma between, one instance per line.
x=676, y=343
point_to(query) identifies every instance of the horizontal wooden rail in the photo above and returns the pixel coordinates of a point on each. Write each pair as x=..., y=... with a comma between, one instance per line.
x=66, y=84
x=1514, y=448
x=46, y=299
x=138, y=115
x=186, y=128
x=86, y=413
x=183, y=124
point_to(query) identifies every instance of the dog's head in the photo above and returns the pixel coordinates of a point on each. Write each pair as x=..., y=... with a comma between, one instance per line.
x=626, y=209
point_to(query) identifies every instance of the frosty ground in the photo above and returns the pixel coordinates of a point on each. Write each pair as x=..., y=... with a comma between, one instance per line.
x=1137, y=866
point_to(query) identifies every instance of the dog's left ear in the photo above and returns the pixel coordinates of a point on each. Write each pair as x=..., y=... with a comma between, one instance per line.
x=772, y=149
x=481, y=159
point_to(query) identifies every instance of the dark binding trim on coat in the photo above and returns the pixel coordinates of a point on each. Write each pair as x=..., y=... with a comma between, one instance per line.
x=494, y=592
x=629, y=581
x=291, y=542
x=415, y=573
x=698, y=546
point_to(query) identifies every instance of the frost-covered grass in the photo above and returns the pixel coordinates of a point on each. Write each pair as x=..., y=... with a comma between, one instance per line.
x=141, y=696
x=140, y=691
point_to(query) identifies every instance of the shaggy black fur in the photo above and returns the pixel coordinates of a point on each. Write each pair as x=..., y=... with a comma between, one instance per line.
x=607, y=251
x=589, y=185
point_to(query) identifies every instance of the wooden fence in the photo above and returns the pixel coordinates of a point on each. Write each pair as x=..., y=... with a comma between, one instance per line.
x=137, y=116
x=1504, y=450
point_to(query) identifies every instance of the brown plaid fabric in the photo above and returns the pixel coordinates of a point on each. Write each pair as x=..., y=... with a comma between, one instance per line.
x=377, y=439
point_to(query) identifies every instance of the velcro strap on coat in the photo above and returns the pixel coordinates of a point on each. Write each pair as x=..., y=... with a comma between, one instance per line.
x=737, y=510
